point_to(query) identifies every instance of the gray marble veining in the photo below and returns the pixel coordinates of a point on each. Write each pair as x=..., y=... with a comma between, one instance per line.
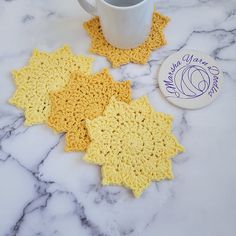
x=45, y=191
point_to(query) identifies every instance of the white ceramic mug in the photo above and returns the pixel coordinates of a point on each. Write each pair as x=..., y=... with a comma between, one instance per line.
x=125, y=23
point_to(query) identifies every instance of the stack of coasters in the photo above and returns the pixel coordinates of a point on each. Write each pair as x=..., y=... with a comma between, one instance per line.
x=84, y=97
x=45, y=72
x=117, y=56
x=133, y=144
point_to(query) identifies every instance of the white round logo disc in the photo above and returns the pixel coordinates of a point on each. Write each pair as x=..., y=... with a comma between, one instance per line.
x=190, y=79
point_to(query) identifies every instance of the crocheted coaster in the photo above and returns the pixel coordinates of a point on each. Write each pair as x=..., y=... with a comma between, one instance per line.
x=84, y=97
x=44, y=73
x=118, y=56
x=133, y=144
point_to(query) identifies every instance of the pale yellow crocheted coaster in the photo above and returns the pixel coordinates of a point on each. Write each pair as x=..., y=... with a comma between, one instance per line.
x=133, y=144
x=84, y=97
x=44, y=73
x=117, y=56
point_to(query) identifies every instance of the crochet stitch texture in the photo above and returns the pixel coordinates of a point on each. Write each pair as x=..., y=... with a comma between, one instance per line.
x=133, y=144
x=44, y=73
x=117, y=56
x=84, y=97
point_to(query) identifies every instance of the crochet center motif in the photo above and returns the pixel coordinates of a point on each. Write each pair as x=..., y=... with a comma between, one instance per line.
x=133, y=144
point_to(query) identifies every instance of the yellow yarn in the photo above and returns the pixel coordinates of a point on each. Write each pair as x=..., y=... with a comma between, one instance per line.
x=84, y=97
x=45, y=72
x=133, y=144
x=117, y=56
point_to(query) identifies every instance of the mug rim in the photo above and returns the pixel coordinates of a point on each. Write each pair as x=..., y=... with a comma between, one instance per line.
x=123, y=8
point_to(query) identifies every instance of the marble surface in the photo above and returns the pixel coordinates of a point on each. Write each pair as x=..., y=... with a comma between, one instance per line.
x=45, y=191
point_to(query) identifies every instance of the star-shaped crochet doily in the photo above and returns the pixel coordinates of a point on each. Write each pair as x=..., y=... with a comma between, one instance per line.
x=117, y=56
x=133, y=144
x=44, y=73
x=84, y=97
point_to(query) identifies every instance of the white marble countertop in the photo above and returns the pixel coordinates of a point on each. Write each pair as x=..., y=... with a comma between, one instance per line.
x=45, y=191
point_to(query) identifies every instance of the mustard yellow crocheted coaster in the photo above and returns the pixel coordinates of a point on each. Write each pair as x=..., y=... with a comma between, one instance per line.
x=133, y=144
x=84, y=97
x=44, y=73
x=117, y=56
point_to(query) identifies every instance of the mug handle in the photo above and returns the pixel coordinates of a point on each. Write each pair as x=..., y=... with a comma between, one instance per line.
x=88, y=7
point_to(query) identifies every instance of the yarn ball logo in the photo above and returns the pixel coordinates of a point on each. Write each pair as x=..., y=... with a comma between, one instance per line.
x=191, y=77
x=191, y=81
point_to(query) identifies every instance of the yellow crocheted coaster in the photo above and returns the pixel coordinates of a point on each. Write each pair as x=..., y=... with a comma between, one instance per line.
x=44, y=73
x=133, y=144
x=84, y=97
x=118, y=56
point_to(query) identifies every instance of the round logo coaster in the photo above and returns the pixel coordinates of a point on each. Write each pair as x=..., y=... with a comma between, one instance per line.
x=190, y=79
